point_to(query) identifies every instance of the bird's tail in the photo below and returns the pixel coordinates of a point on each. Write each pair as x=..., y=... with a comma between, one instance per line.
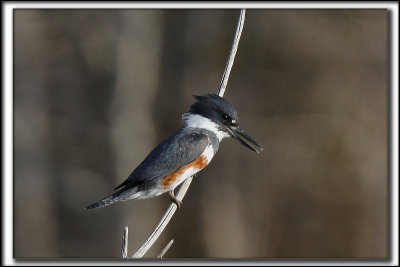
x=104, y=202
x=117, y=196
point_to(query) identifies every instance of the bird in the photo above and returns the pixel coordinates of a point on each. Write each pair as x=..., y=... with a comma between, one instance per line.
x=210, y=119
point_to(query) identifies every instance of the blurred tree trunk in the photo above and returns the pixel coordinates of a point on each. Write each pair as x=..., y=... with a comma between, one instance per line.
x=134, y=130
x=78, y=86
x=35, y=224
x=80, y=115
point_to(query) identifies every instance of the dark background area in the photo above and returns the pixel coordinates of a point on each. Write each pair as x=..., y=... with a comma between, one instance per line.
x=96, y=90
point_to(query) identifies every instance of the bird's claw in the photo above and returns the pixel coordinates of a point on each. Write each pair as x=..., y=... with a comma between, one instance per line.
x=175, y=200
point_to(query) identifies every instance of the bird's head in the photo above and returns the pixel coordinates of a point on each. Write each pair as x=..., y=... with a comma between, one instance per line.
x=215, y=113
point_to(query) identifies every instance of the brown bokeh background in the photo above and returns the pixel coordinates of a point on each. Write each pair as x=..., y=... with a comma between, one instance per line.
x=96, y=90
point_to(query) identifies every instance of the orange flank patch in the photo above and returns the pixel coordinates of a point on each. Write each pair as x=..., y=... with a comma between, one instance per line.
x=198, y=164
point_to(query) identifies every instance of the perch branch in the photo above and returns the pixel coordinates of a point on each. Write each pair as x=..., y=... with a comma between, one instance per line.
x=185, y=185
x=232, y=53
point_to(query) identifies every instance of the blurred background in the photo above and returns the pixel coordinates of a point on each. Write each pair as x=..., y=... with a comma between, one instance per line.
x=96, y=90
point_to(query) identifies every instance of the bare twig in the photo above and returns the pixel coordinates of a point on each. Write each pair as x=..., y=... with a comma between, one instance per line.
x=124, y=250
x=162, y=253
x=185, y=185
x=232, y=53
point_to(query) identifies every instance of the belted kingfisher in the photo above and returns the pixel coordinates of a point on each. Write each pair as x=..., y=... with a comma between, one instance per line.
x=209, y=120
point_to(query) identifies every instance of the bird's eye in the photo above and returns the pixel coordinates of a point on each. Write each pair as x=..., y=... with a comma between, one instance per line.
x=227, y=117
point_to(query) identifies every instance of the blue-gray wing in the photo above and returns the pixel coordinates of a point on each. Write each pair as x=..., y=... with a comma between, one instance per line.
x=174, y=152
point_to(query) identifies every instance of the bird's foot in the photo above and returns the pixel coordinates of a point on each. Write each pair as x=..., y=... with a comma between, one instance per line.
x=174, y=199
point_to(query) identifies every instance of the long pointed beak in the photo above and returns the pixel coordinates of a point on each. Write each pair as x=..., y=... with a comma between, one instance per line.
x=244, y=138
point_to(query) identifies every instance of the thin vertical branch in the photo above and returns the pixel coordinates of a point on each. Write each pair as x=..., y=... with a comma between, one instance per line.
x=185, y=185
x=232, y=54
x=162, y=253
x=124, y=251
